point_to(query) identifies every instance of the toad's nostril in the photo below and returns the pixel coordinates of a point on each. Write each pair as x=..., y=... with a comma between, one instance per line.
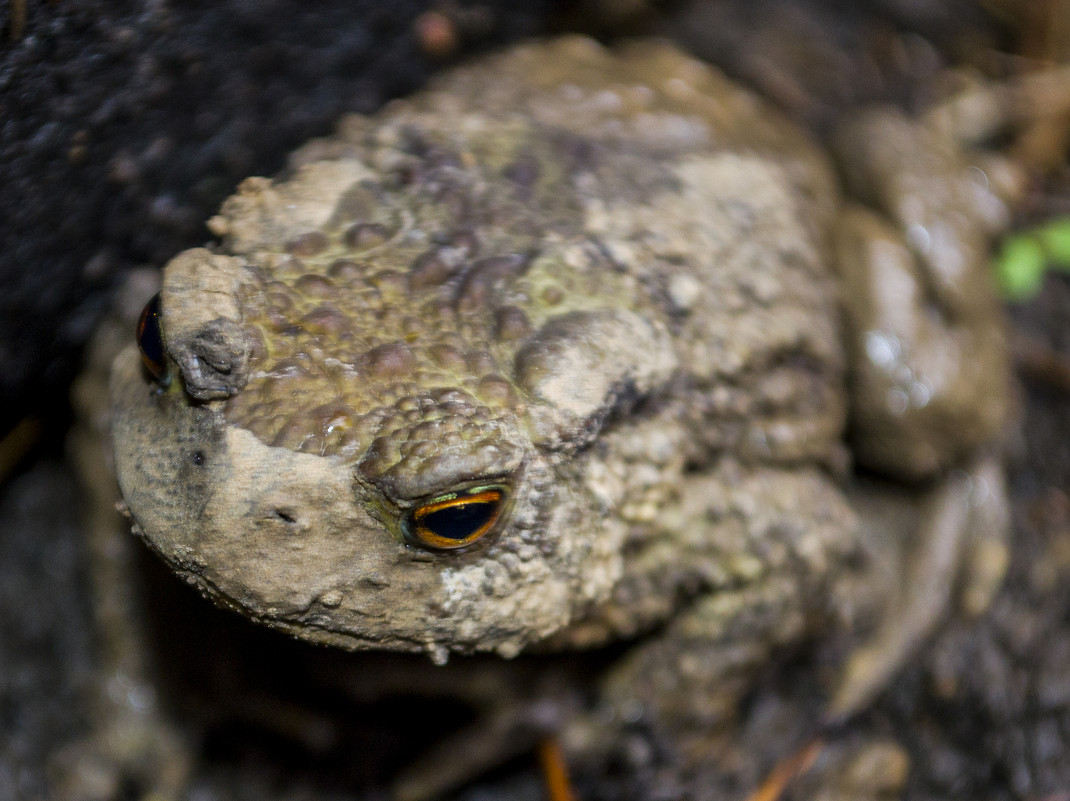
x=285, y=515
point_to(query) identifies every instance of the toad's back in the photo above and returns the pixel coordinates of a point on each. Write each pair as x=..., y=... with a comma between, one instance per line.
x=435, y=384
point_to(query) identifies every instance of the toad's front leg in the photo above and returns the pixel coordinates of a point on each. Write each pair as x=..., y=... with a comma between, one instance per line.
x=131, y=746
x=764, y=550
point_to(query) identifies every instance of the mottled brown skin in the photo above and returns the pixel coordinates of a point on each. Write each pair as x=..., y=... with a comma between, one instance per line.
x=931, y=379
x=445, y=296
x=601, y=281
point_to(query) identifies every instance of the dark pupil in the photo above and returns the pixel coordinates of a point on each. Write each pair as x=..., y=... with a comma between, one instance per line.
x=460, y=521
x=149, y=340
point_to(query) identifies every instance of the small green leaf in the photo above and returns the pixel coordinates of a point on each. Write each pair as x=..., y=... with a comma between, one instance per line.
x=1055, y=238
x=1020, y=266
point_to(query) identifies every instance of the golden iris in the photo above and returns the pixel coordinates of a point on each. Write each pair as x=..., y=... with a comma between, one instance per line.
x=457, y=519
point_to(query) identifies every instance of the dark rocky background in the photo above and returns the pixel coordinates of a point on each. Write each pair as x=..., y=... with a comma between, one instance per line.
x=124, y=124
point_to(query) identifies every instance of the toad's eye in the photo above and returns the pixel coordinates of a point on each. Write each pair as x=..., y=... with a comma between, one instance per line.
x=149, y=339
x=455, y=520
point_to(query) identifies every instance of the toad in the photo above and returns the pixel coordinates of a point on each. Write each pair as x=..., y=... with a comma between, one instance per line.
x=550, y=358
